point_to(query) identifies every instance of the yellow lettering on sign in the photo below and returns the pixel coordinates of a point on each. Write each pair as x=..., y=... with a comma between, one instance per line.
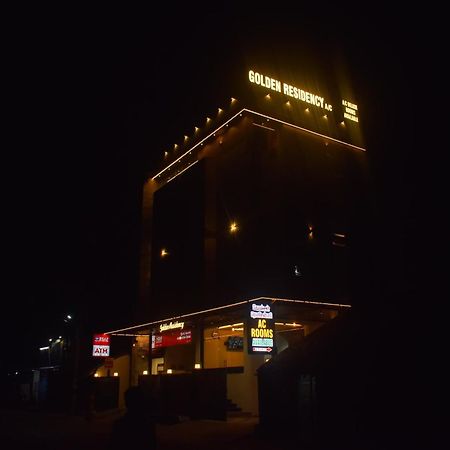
x=261, y=333
x=262, y=323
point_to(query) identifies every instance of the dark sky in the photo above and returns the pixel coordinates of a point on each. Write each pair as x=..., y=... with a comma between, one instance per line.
x=89, y=119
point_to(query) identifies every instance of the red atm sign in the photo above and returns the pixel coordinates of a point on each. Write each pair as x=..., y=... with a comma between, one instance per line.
x=101, y=345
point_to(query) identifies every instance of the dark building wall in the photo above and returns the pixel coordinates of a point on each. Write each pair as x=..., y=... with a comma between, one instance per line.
x=275, y=184
x=176, y=280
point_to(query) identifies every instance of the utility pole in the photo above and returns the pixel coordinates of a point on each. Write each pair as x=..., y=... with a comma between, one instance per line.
x=74, y=332
x=75, y=368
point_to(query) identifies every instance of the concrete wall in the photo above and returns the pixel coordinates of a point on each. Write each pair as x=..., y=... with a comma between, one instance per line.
x=122, y=366
x=242, y=388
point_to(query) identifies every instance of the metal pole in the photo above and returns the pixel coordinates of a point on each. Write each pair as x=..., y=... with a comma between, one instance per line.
x=75, y=369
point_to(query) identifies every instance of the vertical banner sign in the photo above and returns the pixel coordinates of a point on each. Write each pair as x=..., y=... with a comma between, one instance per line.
x=100, y=345
x=261, y=328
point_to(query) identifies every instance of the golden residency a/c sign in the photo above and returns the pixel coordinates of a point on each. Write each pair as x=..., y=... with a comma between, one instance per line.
x=288, y=90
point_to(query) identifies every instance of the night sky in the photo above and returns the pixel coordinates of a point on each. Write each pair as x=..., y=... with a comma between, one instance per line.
x=95, y=99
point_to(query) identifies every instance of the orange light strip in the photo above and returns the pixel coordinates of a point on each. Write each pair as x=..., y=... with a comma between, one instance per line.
x=261, y=115
x=196, y=145
x=304, y=129
x=177, y=317
x=131, y=334
x=179, y=173
x=307, y=302
x=231, y=326
x=262, y=126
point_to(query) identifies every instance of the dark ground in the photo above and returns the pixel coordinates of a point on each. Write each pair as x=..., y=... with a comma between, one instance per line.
x=50, y=431
x=22, y=429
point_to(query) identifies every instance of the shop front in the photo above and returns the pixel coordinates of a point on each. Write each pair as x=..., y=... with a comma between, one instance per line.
x=215, y=354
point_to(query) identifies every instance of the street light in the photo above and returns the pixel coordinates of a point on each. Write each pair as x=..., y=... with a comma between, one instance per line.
x=48, y=352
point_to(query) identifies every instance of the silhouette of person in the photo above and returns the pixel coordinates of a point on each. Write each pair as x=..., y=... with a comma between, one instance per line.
x=136, y=428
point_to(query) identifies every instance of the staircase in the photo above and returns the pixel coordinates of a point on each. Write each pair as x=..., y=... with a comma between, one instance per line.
x=233, y=410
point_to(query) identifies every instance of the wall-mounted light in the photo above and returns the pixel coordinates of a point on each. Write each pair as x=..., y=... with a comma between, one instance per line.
x=230, y=326
x=145, y=372
x=197, y=366
x=169, y=371
x=233, y=227
x=96, y=375
x=164, y=252
x=116, y=374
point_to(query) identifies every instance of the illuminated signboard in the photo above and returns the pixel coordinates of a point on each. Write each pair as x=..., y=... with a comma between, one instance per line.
x=100, y=345
x=261, y=328
x=350, y=110
x=347, y=110
x=171, y=326
x=288, y=90
x=234, y=343
x=171, y=338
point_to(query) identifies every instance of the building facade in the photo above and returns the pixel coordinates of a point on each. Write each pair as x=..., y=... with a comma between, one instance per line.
x=248, y=230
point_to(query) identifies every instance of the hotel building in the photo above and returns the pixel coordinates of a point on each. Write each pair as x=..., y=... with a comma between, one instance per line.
x=247, y=240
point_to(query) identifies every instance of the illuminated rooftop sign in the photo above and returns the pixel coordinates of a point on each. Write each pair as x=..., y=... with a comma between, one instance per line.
x=350, y=110
x=288, y=90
